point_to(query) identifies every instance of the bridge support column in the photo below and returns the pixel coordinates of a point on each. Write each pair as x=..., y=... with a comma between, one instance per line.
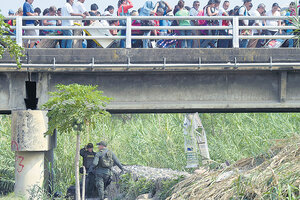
x=33, y=151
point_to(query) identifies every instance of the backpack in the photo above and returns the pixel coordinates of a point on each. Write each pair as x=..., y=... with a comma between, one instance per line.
x=105, y=159
x=237, y=12
x=245, y=14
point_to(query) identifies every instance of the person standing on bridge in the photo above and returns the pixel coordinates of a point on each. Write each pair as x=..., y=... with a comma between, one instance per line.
x=195, y=12
x=271, y=22
x=28, y=11
x=104, y=160
x=183, y=12
x=223, y=12
x=79, y=8
x=243, y=11
x=67, y=10
x=253, y=43
x=123, y=7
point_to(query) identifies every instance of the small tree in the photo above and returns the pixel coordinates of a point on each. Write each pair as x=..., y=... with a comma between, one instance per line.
x=7, y=44
x=71, y=108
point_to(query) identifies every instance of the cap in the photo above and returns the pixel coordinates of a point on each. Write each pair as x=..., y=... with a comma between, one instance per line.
x=11, y=12
x=90, y=145
x=20, y=10
x=102, y=143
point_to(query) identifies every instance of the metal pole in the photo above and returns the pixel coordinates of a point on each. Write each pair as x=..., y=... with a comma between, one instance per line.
x=128, y=33
x=19, y=30
x=235, y=32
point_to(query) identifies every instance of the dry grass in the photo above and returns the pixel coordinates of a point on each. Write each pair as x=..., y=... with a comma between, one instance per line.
x=275, y=175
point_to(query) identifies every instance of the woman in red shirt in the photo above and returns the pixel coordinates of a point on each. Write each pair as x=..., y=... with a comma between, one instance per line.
x=123, y=7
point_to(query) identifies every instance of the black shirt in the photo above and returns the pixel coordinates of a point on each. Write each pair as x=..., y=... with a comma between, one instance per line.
x=88, y=158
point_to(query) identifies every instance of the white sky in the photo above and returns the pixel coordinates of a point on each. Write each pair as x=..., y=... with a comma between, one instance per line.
x=102, y=4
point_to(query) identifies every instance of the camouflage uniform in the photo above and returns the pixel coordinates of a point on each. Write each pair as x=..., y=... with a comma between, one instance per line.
x=103, y=175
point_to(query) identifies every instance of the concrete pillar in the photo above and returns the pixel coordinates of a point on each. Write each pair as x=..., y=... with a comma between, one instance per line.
x=33, y=150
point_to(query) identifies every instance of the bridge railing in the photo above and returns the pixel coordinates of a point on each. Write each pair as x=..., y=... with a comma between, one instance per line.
x=236, y=36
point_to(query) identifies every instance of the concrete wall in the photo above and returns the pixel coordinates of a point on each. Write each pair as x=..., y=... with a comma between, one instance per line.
x=224, y=90
x=45, y=56
x=234, y=91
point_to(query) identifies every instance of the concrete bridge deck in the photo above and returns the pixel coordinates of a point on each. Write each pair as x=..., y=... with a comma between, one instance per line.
x=162, y=80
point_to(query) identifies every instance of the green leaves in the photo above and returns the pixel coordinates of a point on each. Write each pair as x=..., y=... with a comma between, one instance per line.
x=72, y=106
x=9, y=45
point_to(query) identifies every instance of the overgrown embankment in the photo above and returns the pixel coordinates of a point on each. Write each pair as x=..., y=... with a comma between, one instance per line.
x=274, y=175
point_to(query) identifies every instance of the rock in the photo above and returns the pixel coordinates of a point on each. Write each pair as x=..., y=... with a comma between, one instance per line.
x=144, y=197
x=226, y=175
x=201, y=171
x=156, y=175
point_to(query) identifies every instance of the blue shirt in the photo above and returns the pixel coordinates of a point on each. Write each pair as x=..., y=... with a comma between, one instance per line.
x=28, y=8
x=288, y=22
x=163, y=23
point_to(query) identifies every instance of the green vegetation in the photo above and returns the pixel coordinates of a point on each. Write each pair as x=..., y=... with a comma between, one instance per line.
x=72, y=108
x=9, y=45
x=156, y=140
x=7, y=170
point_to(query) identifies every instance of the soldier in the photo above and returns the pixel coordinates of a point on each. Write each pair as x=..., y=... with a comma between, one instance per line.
x=88, y=156
x=102, y=164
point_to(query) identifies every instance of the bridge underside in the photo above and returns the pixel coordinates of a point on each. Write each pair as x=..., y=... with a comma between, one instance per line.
x=140, y=90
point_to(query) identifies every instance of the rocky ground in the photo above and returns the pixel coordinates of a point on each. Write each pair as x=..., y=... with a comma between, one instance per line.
x=127, y=186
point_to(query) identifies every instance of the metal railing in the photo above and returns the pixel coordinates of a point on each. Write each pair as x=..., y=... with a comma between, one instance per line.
x=234, y=27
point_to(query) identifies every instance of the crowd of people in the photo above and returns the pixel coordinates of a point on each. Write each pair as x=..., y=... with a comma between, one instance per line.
x=161, y=8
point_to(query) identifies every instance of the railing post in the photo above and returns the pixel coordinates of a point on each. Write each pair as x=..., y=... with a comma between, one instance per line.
x=235, y=32
x=128, y=33
x=19, y=30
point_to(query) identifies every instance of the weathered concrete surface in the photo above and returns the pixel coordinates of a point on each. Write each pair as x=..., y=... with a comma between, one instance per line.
x=230, y=91
x=28, y=129
x=29, y=173
x=33, y=151
x=12, y=90
x=45, y=56
x=165, y=90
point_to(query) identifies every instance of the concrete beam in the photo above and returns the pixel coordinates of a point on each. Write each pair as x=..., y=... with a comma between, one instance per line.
x=158, y=90
x=45, y=56
x=232, y=91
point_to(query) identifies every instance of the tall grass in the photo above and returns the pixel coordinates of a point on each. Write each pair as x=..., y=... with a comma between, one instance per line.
x=6, y=157
x=157, y=140
x=235, y=136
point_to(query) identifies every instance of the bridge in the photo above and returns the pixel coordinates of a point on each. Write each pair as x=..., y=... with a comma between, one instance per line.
x=160, y=80
x=142, y=81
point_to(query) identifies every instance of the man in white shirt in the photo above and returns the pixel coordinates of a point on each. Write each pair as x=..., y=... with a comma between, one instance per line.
x=223, y=12
x=67, y=10
x=275, y=13
x=257, y=13
x=194, y=12
x=243, y=11
x=79, y=8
